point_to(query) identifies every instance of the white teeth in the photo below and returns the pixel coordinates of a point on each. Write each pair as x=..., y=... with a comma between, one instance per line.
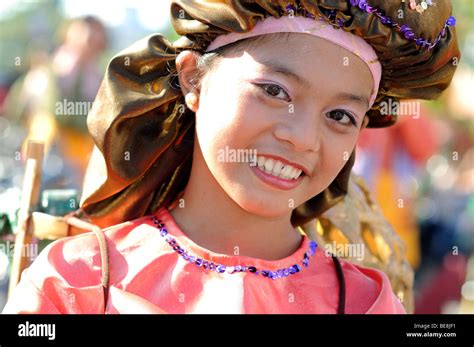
x=269, y=166
x=277, y=168
x=285, y=173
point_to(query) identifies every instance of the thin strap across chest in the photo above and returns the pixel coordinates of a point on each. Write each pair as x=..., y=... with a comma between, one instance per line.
x=104, y=259
x=73, y=221
x=342, y=286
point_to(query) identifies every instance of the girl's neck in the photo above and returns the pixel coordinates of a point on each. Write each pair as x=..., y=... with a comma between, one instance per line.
x=214, y=221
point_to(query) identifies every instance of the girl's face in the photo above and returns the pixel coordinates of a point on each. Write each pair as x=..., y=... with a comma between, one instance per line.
x=301, y=101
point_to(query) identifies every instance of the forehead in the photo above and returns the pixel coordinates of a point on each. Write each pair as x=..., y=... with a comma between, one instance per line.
x=318, y=61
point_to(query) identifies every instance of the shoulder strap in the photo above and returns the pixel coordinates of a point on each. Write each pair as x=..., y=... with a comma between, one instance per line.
x=74, y=221
x=104, y=259
x=342, y=286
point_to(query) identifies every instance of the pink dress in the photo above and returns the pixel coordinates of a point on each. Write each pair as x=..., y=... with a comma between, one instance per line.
x=148, y=276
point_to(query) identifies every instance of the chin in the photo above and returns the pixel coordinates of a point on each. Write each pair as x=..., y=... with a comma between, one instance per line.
x=264, y=207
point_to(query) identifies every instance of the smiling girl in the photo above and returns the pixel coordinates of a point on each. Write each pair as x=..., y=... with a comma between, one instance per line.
x=292, y=83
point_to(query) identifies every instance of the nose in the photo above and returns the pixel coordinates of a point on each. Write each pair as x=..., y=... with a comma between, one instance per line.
x=303, y=132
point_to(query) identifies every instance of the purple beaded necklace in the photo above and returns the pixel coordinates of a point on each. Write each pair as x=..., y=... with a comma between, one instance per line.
x=219, y=268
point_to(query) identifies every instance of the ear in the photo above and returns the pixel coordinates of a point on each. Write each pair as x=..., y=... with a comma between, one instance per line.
x=188, y=73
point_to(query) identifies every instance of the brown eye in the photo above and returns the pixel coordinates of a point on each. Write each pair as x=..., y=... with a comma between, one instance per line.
x=274, y=91
x=342, y=117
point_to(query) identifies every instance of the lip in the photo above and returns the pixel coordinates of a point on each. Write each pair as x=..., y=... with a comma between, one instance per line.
x=287, y=162
x=276, y=182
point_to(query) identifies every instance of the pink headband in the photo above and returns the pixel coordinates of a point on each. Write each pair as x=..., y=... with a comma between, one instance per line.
x=319, y=28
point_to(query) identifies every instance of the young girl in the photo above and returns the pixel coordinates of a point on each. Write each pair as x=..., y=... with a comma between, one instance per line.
x=213, y=150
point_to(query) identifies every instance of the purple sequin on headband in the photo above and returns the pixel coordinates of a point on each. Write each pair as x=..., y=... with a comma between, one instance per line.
x=403, y=29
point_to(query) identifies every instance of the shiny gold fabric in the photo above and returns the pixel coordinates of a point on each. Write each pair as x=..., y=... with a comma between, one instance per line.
x=144, y=132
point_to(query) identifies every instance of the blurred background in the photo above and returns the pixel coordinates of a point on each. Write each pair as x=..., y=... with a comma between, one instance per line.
x=53, y=54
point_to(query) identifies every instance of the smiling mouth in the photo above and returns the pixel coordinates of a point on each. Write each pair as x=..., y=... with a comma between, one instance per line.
x=277, y=168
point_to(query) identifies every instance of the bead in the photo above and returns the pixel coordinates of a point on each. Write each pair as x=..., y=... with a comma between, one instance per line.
x=220, y=268
x=205, y=264
x=297, y=268
x=424, y=5
x=312, y=248
x=212, y=266
x=451, y=21
x=354, y=2
x=237, y=268
x=252, y=269
x=265, y=273
x=412, y=5
x=192, y=258
x=369, y=9
x=286, y=272
x=409, y=35
x=198, y=261
x=163, y=232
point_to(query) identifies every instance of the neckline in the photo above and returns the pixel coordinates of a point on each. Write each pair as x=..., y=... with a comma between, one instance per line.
x=229, y=260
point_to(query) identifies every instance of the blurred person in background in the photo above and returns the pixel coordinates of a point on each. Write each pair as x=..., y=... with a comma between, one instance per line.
x=53, y=98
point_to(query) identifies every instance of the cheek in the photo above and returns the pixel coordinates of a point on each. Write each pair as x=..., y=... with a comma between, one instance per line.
x=227, y=117
x=335, y=151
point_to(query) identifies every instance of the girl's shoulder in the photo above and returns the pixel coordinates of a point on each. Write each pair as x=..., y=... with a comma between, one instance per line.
x=366, y=290
x=369, y=290
x=66, y=277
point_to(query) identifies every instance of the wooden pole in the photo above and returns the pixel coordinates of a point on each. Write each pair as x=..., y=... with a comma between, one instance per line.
x=29, y=198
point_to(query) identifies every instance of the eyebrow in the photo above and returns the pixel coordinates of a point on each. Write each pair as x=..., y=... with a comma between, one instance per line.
x=353, y=97
x=284, y=70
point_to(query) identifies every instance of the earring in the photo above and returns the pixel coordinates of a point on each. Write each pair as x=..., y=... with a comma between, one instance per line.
x=191, y=98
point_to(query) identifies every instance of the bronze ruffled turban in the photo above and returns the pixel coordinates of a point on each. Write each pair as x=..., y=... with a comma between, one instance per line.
x=144, y=134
